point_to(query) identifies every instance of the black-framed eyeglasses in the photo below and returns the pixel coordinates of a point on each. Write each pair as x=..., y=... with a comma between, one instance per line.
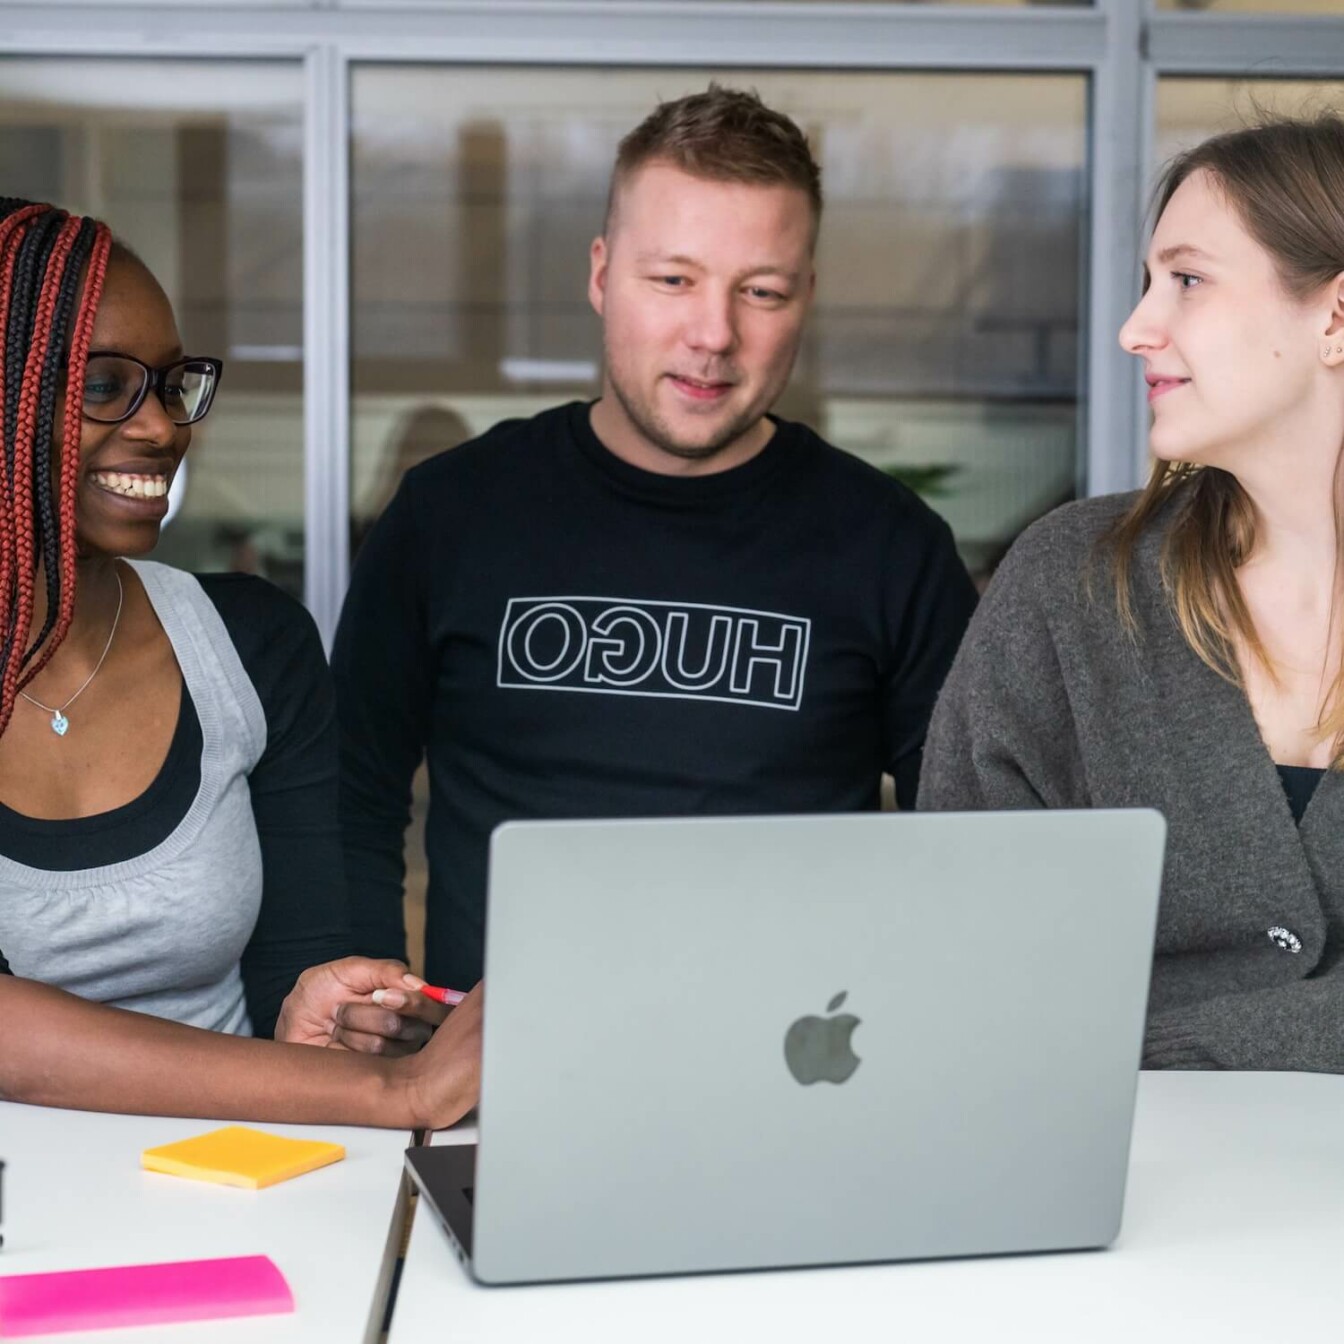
x=116, y=385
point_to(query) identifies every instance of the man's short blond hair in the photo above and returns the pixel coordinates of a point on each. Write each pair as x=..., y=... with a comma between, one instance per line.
x=723, y=135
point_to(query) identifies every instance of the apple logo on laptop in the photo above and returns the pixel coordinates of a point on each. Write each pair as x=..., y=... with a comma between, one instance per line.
x=817, y=1049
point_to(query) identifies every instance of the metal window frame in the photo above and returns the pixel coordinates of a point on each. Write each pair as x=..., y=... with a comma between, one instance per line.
x=1121, y=46
x=326, y=337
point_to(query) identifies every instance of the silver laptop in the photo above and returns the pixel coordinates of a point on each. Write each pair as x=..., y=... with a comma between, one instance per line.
x=743, y=1043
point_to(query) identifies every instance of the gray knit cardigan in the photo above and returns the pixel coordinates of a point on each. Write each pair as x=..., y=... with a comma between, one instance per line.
x=1052, y=703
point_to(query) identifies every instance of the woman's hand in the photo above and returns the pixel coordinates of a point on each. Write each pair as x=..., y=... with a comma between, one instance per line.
x=57, y=1049
x=443, y=1082
x=359, y=1003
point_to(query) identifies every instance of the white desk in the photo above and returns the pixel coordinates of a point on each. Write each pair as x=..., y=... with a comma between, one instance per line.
x=1234, y=1230
x=75, y=1196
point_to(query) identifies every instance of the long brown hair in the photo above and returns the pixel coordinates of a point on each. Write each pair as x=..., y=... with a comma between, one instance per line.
x=1285, y=180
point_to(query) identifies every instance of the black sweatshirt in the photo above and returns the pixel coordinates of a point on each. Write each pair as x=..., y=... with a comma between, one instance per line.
x=302, y=921
x=566, y=635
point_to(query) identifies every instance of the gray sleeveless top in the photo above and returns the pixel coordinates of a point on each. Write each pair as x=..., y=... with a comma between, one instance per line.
x=163, y=933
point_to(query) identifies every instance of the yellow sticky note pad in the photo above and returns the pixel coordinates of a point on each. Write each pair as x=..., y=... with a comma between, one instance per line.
x=236, y=1155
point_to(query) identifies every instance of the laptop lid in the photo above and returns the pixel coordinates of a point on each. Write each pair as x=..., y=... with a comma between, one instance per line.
x=731, y=1043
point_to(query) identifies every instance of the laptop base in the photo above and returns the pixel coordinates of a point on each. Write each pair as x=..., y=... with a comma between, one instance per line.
x=446, y=1179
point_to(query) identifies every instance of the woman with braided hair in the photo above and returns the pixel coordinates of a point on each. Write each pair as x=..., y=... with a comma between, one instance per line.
x=168, y=838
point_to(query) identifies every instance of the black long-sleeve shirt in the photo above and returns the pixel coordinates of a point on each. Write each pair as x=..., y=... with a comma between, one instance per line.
x=303, y=918
x=566, y=635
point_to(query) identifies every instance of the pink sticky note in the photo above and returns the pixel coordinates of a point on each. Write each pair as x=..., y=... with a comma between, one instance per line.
x=181, y=1290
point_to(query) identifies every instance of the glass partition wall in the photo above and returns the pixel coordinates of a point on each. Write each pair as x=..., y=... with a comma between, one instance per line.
x=1190, y=110
x=1263, y=8
x=943, y=346
x=377, y=212
x=197, y=167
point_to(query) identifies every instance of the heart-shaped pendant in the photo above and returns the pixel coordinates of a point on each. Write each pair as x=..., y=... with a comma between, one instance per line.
x=60, y=725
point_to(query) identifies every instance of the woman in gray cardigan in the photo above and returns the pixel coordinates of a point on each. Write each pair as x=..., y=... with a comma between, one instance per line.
x=1181, y=648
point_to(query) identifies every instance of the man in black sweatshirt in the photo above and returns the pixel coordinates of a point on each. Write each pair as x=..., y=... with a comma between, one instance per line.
x=667, y=602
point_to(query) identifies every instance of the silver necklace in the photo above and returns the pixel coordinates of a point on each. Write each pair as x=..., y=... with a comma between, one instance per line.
x=60, y=725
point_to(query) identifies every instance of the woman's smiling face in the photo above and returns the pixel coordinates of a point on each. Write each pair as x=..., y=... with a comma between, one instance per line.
x=125, y=469
x=1232, y=360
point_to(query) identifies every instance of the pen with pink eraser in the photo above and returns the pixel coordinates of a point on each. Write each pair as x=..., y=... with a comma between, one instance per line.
x=452, y=997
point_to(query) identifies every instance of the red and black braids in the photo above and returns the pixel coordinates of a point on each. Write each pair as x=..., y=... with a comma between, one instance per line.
x=52, y=268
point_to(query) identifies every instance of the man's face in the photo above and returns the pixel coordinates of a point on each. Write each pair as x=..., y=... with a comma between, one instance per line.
x=702, y=288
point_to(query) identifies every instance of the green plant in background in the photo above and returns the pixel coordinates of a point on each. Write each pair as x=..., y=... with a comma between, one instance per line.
x=929, y=480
